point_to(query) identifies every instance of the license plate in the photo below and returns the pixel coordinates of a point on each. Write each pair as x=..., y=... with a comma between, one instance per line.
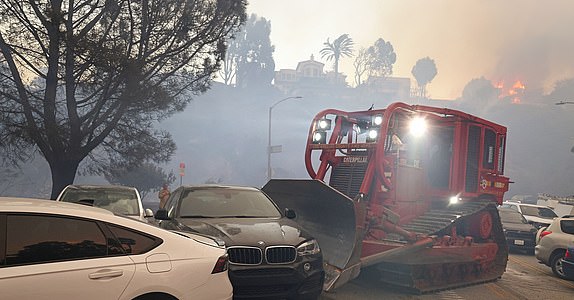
x=519, y=242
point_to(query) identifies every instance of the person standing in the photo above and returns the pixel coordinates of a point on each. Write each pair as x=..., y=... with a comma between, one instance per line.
x=163, y=195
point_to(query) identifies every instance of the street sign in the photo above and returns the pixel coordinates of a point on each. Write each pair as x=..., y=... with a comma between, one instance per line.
x=181, y=169
x=276, y=149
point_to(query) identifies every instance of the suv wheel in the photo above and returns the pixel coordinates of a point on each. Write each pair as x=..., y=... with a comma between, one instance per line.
x=556, y=264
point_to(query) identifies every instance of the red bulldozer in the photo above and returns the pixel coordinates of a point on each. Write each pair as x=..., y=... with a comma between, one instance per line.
x=409, y=190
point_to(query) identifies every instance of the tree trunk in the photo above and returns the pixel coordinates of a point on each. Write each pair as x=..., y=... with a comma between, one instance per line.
x=63, y=174
x=336, y=70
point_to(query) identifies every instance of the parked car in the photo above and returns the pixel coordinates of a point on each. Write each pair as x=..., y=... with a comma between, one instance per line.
x=56, y=250
x=537, y=215
x=568, y=262
x=520, y=235
x=118, y=199
x=270, y=255
x=552, y=242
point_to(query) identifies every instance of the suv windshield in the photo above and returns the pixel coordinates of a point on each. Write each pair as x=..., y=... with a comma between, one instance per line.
x=120, y=201
x=542, y=212
x=226, y=203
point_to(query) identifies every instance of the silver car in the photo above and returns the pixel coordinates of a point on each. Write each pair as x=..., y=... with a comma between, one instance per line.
x=552, y=241
x=537, y=215
x=123, y=200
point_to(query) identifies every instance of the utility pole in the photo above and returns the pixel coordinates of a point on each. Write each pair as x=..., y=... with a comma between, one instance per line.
x=269, y=147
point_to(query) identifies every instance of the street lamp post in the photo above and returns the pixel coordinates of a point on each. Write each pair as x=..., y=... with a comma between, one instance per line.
x=269, y=134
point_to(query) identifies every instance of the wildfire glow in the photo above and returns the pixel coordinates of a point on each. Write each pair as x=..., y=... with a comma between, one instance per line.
x=518, y=85
x=512, y=93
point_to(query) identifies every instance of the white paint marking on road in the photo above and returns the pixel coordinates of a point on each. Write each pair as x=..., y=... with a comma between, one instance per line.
x=449, y=295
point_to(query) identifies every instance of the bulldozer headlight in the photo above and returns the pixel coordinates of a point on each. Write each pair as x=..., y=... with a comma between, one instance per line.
x=310, y=247
x=453, y=200
x=418, y=126
x=372, y=135
x=319, y=137
x=324, y=124
x=377, y=120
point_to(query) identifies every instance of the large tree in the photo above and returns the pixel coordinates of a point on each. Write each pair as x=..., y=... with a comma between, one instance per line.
x=424, y=72
x=382, y=56
x=339, y=48
x=85, y=81
x=228, y=69
x=254, y=62
x=478, y=96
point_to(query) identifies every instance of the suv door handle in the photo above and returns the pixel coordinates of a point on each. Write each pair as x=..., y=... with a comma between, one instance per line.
x=106, y=273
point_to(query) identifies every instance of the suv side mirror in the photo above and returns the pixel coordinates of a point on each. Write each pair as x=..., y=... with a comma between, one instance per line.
x=161, y=214
x=290, y=214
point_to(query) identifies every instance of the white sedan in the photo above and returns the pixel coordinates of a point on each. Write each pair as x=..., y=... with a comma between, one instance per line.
x=56, y=250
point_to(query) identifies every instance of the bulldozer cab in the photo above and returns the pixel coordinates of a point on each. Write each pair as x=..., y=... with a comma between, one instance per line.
x=455, y=153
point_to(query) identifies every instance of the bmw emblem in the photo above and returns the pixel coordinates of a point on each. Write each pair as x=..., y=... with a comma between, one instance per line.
x=261, y=243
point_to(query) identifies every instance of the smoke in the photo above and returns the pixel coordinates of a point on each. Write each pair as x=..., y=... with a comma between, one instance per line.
x=538, y=61
x=501, y=40
x=222, y=135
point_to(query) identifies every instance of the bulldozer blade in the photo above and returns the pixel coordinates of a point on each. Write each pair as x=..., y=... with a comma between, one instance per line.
x=334, y=219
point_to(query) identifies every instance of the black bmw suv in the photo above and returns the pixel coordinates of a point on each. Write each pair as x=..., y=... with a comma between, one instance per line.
x=270, y=256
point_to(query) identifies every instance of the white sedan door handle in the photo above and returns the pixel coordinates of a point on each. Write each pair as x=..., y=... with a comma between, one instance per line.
x=103, y=274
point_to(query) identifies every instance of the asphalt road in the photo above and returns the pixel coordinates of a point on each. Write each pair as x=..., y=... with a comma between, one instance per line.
x=524, y=278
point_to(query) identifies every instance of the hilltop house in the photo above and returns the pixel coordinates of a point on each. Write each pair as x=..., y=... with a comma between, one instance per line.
x=309, y=78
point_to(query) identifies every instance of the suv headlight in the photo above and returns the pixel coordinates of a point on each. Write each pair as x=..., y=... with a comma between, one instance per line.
x=309, y=247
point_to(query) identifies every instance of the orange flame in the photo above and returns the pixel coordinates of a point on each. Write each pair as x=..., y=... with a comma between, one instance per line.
x=512, y=93
x=518, y=85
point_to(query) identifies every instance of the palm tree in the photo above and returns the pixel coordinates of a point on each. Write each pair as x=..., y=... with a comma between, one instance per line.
x=341, y=47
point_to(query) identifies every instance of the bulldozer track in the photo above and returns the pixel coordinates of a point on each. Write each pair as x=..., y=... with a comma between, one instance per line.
x=422, y=275
x=436, y=220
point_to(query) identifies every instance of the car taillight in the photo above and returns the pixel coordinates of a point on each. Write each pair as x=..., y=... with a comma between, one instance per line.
x=567, y=255
x=221, y=264
x=545, y=233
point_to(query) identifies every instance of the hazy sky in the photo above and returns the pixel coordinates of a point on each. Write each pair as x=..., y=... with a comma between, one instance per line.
x=503, y=40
